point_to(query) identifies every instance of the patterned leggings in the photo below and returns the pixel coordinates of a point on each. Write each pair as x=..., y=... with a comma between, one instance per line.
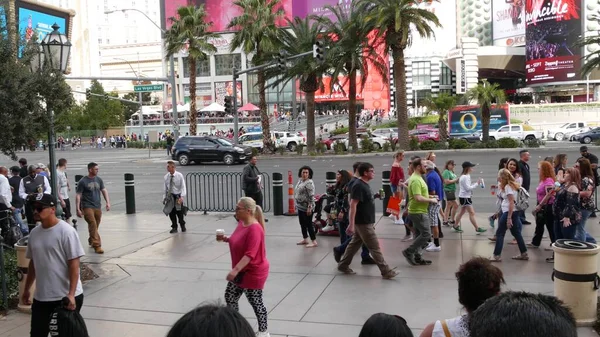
x=254, y=296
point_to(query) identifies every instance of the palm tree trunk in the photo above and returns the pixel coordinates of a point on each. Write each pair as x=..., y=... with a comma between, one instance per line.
x=310, y=120
x=443, y=126
x=485, y=122
x=401, y=105
x=352, y=111
x=264, y=117
x=193, y=120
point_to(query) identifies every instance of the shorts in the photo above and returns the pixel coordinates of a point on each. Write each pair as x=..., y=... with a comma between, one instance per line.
x=394, y=188
x=450, y=195
x=465, y=201
x=67, y=209
x=434, y=213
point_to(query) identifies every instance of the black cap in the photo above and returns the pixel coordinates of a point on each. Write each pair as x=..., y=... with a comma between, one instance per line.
x=468, y=164
x=43, y=199
x=15, y=169
x=583, y=149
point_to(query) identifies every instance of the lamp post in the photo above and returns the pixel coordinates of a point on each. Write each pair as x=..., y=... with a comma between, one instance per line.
x=140, y=97
x=171, y=66
x=54, y=53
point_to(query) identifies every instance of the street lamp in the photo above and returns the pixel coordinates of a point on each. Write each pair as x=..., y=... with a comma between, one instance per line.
x=171, y=66
x=140, y=97
x=54, y=53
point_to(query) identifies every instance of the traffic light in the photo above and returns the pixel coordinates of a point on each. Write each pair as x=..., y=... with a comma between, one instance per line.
x=88, y=94
x=319, y=51
x=106, y=97
x=229, y=105
x=281, y=61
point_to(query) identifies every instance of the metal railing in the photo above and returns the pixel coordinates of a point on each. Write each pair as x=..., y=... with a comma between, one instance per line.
x=220, y=191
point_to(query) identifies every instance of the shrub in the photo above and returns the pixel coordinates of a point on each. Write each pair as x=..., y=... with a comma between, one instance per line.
x=281, y=149
x=413, y=144
x=366, y=145
x=508, y=143
x=255, y=151
x=159, y=145
x=12, y=283
x=339, y=147
x=312, y=153
x=340, y=131
x=393, y=143
x=427, y=145
x=458, y=144
x=136, y=144
x=441, y=145
x=534, y=143
x=320, y=148
x=300, y=149
x=386, y=147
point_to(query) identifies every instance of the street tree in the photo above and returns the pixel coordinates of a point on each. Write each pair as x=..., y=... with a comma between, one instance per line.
x=592, y=58
x=191, y=31
x=486, y=94
x=130, y=108
x=257, y=33
x=100, y=114
x=442, y=104
x=398, y=21
x=300, y=38
x=353, y=52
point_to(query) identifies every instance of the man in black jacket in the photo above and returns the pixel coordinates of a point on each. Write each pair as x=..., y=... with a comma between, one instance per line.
x=252, y=181
x=525, y=173
x=17, y=202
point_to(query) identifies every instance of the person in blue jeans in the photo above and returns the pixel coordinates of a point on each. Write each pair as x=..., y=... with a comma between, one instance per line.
x=567, y=206
x=510, y=218
x=17, y=202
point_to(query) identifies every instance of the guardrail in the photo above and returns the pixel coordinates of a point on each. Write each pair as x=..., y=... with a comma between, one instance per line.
x=220, y=191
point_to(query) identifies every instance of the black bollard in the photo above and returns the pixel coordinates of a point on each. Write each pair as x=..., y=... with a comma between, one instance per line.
x=77, y=179
x=329, y=178
x=277, y=194
x=129, y=193
x=387, y=189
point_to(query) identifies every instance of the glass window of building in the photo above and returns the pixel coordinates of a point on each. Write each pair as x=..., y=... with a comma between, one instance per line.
x=421, y=73
x=445, y=75
x=224, y=63
x=446, y=91
x=202, y=68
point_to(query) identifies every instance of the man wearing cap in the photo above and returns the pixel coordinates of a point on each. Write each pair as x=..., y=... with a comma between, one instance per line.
x=33, y=184
x=23, y=167
x=17, y=202
x=54, y=251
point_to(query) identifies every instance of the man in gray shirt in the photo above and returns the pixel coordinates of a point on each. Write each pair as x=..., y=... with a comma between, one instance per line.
x=89, y=204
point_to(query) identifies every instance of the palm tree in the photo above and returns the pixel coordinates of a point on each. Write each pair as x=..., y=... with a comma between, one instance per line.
x=398, y=20
x=190, y=30
x=353, y=52
x=257, y=33
x=300, y=38
x=592, y=59
x=441, y=104
x=486, y=94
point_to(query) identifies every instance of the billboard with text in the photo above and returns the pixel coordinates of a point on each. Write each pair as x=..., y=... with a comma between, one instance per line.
x=33, y=19
x=223, y=89
x=508, y=22
x=467, y=119
x=552, y=28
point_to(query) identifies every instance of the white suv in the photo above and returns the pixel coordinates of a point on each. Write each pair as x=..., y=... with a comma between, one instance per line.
x=290, y=140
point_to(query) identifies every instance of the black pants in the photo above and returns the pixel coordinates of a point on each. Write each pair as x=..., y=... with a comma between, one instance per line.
x=545, y=219
x=41, y=312
x=257, y=197
x=175, y=214
x=306, y=225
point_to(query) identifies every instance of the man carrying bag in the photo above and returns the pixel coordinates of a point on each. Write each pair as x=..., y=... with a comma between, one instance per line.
x=174, y=192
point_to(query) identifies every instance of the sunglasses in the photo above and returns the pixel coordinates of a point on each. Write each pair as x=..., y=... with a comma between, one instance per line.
x=39, y=209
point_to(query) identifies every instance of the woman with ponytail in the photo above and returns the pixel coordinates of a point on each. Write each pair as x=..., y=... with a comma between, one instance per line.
x=250, y=267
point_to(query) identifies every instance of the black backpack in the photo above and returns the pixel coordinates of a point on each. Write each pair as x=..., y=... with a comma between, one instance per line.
x=67, y=323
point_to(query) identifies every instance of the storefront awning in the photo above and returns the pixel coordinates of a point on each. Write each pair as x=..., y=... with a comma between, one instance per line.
x=493, y=57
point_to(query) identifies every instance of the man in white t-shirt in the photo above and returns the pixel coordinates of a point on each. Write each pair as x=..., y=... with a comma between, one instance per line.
x=63, y=188
x=54, y=251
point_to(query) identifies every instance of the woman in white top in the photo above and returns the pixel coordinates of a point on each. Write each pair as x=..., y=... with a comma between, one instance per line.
x=478, y=280
x=464, y=197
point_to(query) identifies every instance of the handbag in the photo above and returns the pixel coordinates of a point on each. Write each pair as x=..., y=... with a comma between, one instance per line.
x=393, y=206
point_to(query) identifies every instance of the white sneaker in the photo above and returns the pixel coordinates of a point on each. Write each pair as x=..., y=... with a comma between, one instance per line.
x=433, y=248
x=327, y=228
x=392, y=216
x=263, y=334
x=398, y=222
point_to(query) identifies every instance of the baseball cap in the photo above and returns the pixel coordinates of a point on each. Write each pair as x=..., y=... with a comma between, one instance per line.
x=583, y=149
x=15, y=169
x=468, y=164
x=43, y=199
x=41, y=166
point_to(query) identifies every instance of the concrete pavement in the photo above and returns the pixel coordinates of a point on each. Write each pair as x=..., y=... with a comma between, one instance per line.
x=149, y=278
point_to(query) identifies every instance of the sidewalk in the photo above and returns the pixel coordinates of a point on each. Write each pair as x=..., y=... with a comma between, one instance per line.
x=149, y=278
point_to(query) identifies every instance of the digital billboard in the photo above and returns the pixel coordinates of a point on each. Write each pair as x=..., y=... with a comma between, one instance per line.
x=467, y=119
x=508, y=22
x=223, y=89
x=33, y=19
x=552, y=28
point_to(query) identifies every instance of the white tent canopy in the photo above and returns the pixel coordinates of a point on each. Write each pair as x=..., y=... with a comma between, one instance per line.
x=181, y=108
x=214, y=107
x=146, y=111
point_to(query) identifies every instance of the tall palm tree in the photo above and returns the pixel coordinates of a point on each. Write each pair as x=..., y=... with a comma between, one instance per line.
x=353, y=52
x=398, y=19
x=441, y=104
x=300, y=38
x=257, y=33
x=191, y=31
x=592, y=59
x=486, y=94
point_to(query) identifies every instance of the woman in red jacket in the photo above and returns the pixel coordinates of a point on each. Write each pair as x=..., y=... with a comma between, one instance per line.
x=250, y=267
x=397, y=181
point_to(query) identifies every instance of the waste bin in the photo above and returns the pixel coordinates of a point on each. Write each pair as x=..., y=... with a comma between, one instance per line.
x=576, y=278
x=23, y=265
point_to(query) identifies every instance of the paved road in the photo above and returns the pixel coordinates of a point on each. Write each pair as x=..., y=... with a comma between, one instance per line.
x=149, y=168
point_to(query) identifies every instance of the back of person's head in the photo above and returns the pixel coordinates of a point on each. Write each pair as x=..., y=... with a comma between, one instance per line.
x=478, y=280
x=384, y=325
x=212, y=320
x=513, y=314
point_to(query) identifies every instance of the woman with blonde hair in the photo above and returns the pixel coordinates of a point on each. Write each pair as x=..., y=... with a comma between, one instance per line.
x=509, y=219
x=250, y=267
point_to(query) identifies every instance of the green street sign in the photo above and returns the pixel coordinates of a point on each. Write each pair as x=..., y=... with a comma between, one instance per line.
x=147, y=88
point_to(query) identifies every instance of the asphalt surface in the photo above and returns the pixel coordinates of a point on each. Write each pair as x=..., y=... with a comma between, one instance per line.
x=150, y=167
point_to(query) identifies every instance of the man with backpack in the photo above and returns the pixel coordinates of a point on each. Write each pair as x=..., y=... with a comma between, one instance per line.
x=526, y=174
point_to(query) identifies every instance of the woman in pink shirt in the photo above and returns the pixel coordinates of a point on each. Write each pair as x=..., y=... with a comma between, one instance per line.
x=250, y=267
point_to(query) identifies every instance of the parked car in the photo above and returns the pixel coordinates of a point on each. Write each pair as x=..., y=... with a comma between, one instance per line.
x=425, y=134
x=571, y=135
x=199, y=149
x=588, y=137
x=290, y=140
x=516, y=132
x=560, y=132
x=329, y=142
x=252, y=139
x=469, y=137
x=386, y=132
x=377, y=141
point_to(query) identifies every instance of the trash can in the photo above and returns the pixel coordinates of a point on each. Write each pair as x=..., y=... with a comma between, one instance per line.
x=22, y=268
x=576, y=278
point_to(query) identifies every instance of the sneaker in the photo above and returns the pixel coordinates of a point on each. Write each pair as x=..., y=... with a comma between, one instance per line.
x=263, y=334
x=183, y=229
x=496, y=258
x=481, y=230
x=98, y=250
x=525, y=222
x=433, y=248
x=327, y=228
x=492, y=239
x=531, y=245
x=368, y=261
x=407, y=238
x=550, y=260
x=173, y=231
x=521, y=257
x=452, y=223
x=399, y=222
x=410, y=258
x=337, y=255
x=457, y=229
x=346, y=271
x=390, y=274
x=445, y=224
x=431, y=244
x=492, y=221
x=421, y=261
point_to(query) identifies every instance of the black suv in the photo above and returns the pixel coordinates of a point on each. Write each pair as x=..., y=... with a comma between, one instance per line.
x=208, y=149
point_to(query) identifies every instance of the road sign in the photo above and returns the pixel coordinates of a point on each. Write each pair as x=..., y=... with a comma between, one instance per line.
x=148, y=88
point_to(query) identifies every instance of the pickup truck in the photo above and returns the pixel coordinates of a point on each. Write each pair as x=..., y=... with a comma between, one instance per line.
x=290, y=140
x=567, y=128
x=516, y=132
